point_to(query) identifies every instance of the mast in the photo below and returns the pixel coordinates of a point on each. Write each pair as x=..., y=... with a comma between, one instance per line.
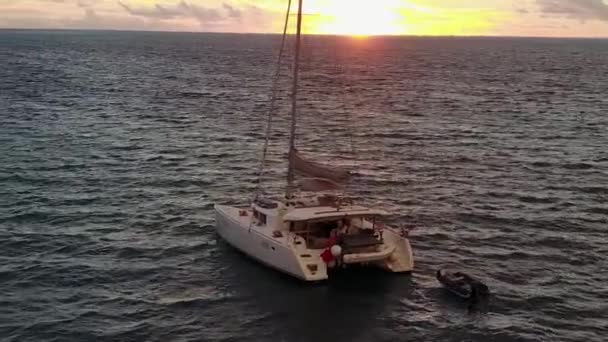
x=294, y=102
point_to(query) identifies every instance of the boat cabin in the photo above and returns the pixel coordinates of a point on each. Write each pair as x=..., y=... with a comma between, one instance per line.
x=352, y=227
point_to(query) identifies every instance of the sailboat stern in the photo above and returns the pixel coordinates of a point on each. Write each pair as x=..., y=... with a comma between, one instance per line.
x=380, y=255
x=401, y=260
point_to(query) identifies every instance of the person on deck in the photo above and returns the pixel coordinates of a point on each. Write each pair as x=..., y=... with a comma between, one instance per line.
x=344, y=226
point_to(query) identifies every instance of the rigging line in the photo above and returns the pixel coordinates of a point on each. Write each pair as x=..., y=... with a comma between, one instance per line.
x=294, y=101
x=273, y=104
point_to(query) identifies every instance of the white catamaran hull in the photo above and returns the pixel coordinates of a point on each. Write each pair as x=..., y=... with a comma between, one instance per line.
x=273, y=252
x=289, y=254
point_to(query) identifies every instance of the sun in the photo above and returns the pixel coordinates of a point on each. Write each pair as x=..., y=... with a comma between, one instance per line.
x=354, y=17
x=396, y=17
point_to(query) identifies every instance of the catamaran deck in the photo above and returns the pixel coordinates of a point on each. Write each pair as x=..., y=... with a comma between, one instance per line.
x=318, y=213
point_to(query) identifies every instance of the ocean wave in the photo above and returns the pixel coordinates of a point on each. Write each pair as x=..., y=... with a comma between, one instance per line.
x=116, y=147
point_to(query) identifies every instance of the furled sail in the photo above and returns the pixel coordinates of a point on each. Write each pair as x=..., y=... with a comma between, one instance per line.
x=318, y=177
x=318, y=185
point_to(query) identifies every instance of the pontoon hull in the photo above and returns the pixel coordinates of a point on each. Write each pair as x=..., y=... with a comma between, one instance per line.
x=283, y=254
x=271, y=252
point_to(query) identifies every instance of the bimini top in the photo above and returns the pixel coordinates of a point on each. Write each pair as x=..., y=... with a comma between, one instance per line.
x=318, y=213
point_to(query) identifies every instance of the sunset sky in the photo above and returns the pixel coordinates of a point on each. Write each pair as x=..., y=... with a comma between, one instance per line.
x=566, y=18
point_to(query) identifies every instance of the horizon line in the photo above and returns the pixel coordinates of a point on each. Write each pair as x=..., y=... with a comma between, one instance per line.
x=307, y=34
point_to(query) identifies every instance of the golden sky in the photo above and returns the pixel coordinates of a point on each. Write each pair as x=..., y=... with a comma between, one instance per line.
x=394, y=17
x=578, y=18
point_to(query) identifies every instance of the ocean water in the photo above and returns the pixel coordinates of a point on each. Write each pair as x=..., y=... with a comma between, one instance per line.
x=114, y=147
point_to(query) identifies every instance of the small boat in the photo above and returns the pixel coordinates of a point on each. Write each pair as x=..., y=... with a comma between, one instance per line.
x=462, y=284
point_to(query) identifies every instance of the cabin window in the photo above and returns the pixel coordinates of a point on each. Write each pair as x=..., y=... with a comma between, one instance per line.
x=298, y=227
x=323, y=228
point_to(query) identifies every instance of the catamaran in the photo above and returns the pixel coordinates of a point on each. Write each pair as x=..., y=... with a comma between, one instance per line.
x=311, y=231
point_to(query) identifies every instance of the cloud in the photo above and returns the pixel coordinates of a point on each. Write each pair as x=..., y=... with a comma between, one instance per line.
x=156, y=12
x=84, y=3
x=163, y=15
x=232, y=12
x=576, y=9
x=502, y=17
x=93, y=20
x=184, y=9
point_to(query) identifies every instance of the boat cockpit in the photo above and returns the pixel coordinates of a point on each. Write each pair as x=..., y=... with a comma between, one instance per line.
x=351, y=232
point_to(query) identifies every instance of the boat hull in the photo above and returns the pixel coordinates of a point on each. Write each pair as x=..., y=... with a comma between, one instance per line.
x=275, y=253
x=402, y=258
x=284, y=254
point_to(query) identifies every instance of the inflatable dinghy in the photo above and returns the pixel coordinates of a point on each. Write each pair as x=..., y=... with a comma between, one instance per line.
x=462, y=285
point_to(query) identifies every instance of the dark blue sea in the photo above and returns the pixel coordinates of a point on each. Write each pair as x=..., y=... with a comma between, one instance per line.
x=114, y=146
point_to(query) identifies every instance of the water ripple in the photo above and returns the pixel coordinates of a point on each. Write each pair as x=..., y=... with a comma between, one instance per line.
x=114, y=147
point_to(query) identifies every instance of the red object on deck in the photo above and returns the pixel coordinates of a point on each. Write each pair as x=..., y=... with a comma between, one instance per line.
x=327, y=256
